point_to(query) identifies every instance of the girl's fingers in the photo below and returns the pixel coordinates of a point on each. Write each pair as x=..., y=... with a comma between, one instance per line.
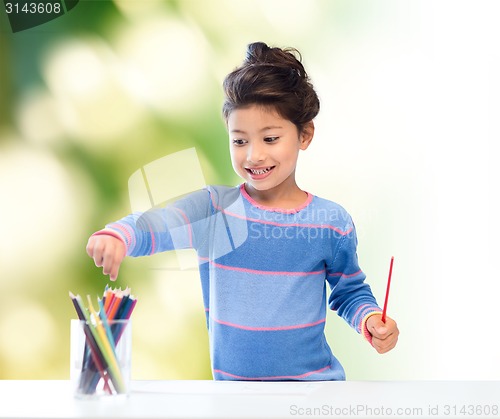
x=116, y=256
x=95, y=250
x=114, y=272
x=383, y=348
x=384, y=336
x=108, y=253
x=386, y=344
x=110, y=260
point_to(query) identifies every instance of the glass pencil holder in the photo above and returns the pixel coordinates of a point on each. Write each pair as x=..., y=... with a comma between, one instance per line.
x=100, y=358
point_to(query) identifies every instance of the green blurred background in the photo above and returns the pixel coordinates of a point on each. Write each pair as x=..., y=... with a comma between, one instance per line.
x=405, y=141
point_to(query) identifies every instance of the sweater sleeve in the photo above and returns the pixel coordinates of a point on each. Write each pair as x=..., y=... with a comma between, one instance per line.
x=175, y=226
x=350, y=295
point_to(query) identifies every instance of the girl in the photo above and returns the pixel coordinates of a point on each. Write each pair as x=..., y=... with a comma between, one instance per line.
x=267, y=250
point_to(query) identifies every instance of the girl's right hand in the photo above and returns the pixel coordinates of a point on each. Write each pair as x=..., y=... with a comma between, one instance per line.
x=108, y=252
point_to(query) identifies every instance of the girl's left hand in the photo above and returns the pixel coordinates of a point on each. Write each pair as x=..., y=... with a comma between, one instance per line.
x=384, y=335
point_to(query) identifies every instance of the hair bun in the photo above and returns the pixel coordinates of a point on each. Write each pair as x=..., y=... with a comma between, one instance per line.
x=256, y=52
x=275, y=77
x=288, y=59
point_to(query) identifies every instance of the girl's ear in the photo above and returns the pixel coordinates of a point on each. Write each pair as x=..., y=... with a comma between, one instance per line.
x=306, y=135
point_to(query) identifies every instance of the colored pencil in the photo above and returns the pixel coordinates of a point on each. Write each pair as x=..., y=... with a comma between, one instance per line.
x=384, y=312
x=115, y=305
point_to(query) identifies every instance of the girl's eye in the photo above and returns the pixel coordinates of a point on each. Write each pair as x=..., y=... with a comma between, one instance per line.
x=239, y=142
x=271, y=139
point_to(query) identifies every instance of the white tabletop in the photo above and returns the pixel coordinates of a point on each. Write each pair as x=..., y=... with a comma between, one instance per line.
x=229, y=399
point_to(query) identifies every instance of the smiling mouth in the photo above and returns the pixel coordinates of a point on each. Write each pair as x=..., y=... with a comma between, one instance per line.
x=259, y=171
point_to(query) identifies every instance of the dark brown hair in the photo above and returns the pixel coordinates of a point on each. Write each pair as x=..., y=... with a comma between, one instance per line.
x=272, y=77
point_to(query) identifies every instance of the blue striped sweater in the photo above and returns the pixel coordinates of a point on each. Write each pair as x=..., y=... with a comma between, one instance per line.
x=265, y=274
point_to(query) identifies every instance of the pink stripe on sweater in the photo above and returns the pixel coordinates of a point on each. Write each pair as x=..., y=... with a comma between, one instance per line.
x=126, y=233
x=259, y=272
x=341, y=274
x=269, y=329
x=277, y=377
x=274, y=209
x=361, y=307
x=273, y=223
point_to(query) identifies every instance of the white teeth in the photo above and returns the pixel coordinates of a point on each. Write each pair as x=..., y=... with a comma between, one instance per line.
x=260, y=171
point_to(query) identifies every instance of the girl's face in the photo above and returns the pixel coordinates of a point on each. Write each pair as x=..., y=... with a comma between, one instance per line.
x=264, y=147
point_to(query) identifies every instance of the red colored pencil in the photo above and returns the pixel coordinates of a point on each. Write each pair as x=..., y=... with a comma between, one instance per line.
x=387, y=290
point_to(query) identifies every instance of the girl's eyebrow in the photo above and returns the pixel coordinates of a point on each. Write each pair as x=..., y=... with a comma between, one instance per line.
x=239, y=131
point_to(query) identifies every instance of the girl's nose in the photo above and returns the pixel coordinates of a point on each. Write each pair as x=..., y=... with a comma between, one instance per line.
x=255, y=153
